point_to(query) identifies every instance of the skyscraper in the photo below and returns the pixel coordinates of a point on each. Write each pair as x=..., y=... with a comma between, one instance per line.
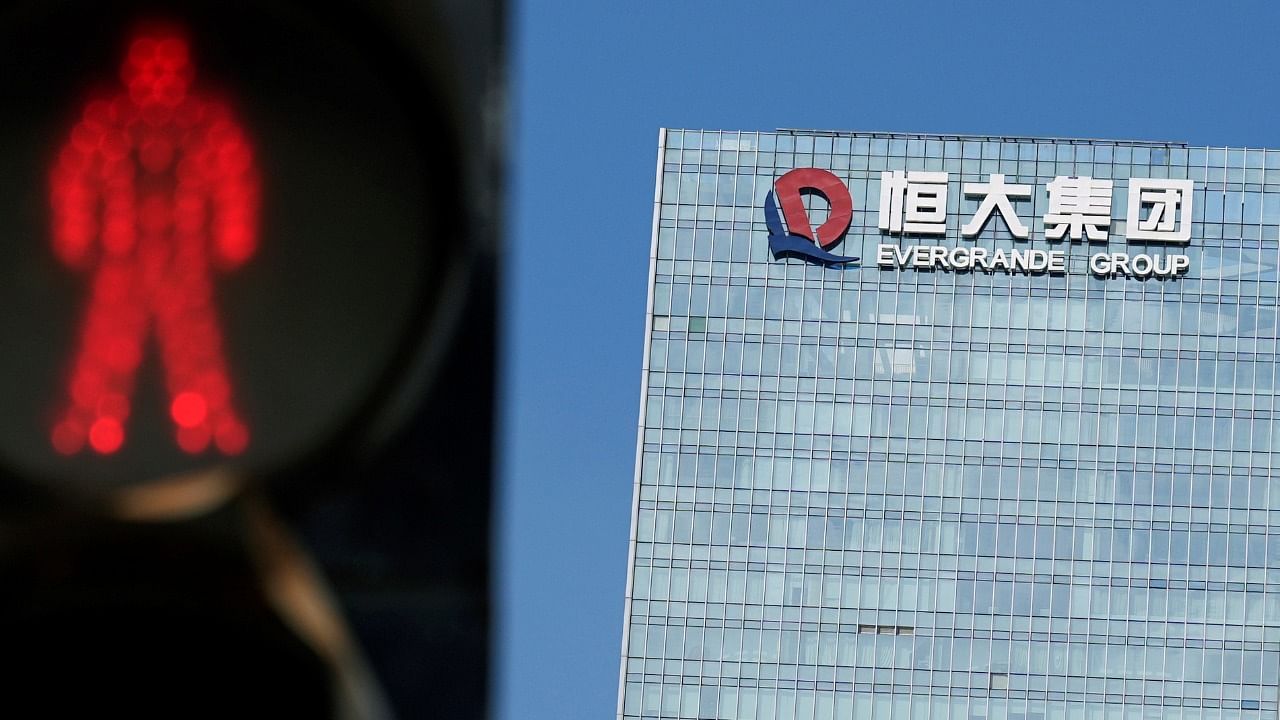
x=940, y=426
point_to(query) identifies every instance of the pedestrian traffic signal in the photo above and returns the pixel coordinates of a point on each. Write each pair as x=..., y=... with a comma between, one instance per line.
x=155, y=189
x=227, y=233
x=246, y=300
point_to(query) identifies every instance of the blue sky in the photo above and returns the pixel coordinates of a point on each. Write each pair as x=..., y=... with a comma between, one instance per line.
x=591, y=84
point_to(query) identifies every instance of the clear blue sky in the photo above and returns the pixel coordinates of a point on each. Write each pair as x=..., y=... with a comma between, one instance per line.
x=591, y=84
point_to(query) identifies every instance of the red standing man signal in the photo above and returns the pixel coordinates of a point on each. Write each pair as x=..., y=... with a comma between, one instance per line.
x=155, y=189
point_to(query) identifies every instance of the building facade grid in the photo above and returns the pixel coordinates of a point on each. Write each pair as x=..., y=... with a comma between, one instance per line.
x=891, y=493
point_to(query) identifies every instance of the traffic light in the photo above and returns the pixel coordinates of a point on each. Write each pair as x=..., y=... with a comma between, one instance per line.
x=247, y=266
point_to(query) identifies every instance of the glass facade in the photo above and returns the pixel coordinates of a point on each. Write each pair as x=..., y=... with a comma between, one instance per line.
x=897, y=493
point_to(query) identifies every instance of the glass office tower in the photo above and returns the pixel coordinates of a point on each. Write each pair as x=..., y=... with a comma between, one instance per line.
x=907, y=488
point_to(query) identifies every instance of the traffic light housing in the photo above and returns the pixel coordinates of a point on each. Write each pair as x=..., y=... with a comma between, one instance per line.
x=246, y=287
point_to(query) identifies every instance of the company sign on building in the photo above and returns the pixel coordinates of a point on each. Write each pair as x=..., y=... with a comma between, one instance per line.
x=915, y=203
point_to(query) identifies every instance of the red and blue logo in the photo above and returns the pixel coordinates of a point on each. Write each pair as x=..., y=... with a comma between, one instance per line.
x=798, y=238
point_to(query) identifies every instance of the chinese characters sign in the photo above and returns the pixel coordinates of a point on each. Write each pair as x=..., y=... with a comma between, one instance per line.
x=1079, y=206
x=1158, y=211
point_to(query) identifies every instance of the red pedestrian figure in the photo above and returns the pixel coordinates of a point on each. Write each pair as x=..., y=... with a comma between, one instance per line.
x=155, y=189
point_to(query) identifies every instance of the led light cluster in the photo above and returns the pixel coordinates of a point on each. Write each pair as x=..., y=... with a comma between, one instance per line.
x=155, y=189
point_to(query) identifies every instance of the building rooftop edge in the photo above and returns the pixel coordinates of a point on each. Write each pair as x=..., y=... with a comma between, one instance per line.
x=962, y=136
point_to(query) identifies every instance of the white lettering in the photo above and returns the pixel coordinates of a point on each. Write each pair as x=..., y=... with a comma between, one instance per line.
x=901, y=257
x=920, y=257
x=1029, y=261
x=1079, y=204
x=938, y=256
x=1141, y=265
x=913, y=202
x=1039, y=260
x=997, y=195
x=885, y=255
x=999, y=261
x=1169, y=217
x=979, y=258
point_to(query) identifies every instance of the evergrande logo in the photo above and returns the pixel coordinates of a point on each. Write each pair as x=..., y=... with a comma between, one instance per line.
x=798, y=238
